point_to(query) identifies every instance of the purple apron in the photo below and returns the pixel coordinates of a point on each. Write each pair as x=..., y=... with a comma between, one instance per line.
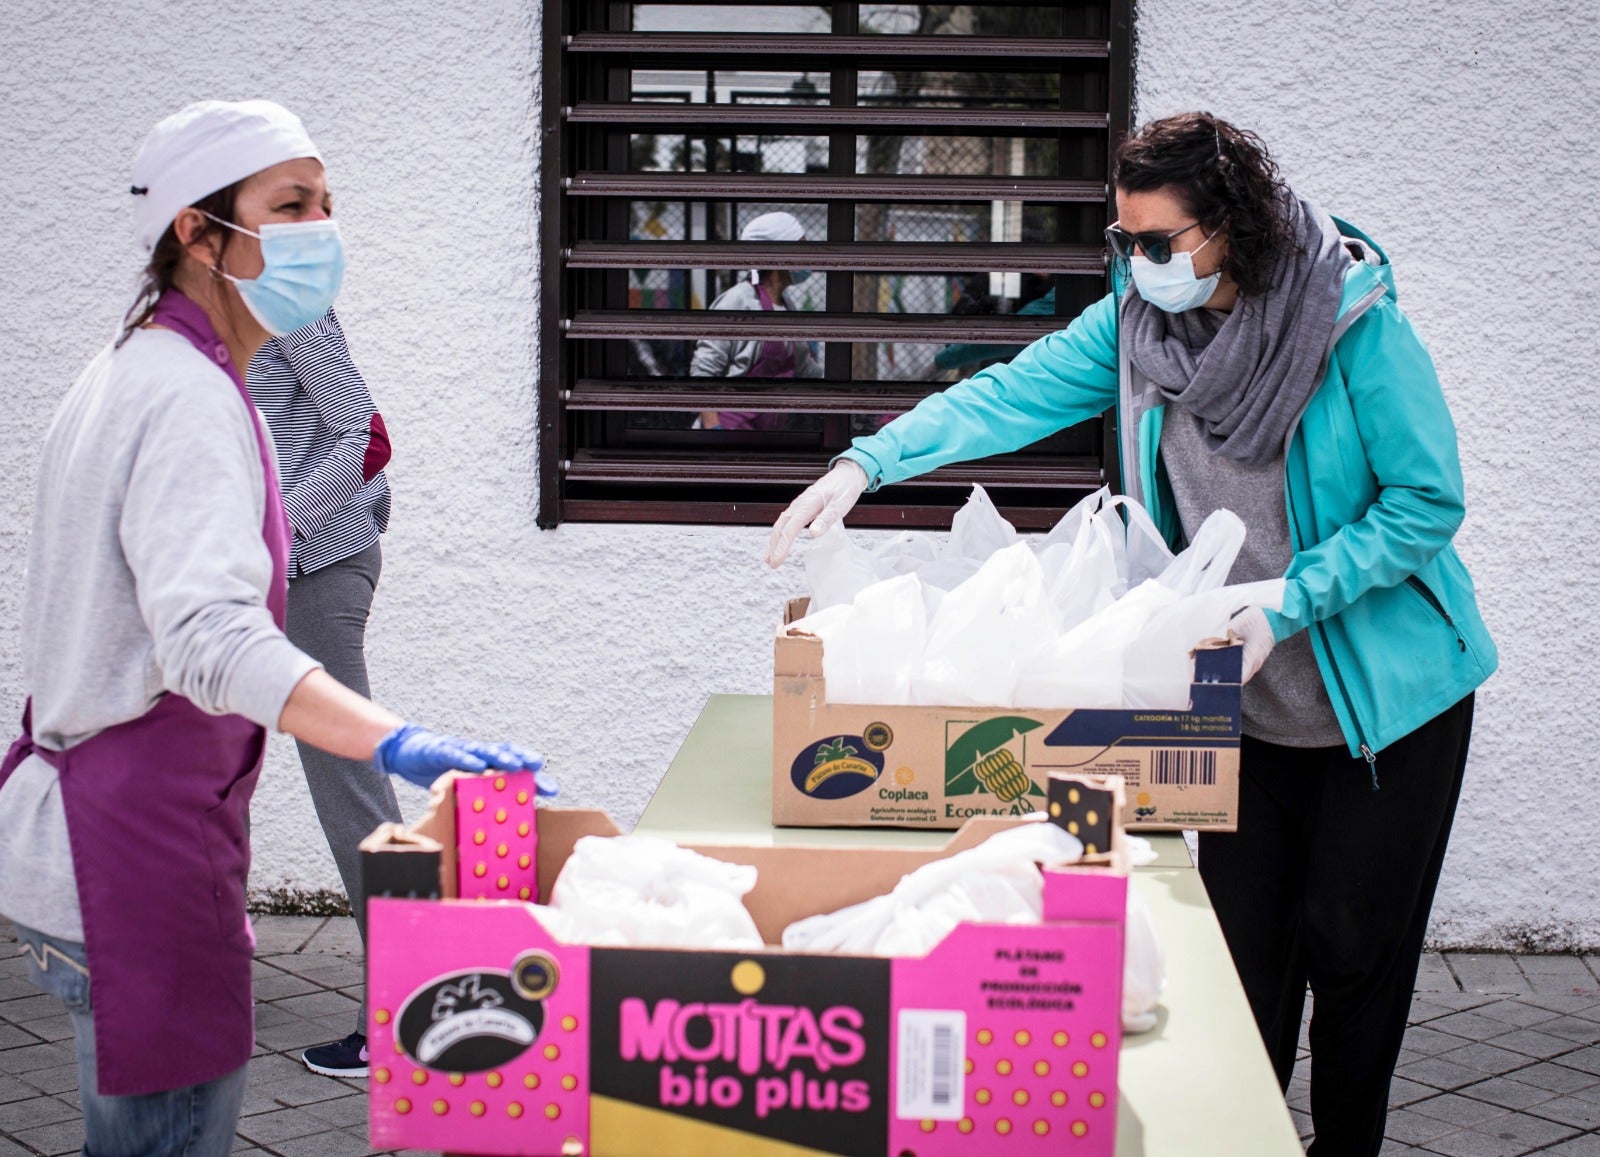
x=156, y=816
x=774, y=359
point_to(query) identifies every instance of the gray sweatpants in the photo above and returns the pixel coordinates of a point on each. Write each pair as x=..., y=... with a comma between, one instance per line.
x=327, y=619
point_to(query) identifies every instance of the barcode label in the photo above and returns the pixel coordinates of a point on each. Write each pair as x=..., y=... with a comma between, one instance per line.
x=932, y=1064
x=1184, y=768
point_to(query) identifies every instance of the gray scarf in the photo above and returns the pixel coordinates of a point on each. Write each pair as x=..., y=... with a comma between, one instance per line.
x=1250, y=375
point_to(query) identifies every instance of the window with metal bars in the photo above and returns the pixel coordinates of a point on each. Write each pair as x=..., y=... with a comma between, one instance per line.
x=947, y=164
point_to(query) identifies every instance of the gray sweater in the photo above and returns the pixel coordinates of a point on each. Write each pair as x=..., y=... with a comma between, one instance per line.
x=732, y=357
x=1287, y=702
x=146, y=574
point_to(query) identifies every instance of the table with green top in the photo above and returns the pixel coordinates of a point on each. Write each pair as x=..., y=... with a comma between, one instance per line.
x=1197, y=1085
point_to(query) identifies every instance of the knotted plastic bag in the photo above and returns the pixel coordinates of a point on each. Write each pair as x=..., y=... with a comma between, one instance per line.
x=1144, y=967
x=903, y=553
x=997, y=882
x=638, y=890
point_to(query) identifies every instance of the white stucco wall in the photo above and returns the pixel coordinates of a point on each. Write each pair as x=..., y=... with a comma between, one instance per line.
x=1443, y=130
x=1453, y=134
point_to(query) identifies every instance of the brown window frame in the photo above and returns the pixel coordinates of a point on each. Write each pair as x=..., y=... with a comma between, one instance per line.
x=583, y=174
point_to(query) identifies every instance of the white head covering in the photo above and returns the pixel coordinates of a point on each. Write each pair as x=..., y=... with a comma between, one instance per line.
x=208, y=146
x=773, y=227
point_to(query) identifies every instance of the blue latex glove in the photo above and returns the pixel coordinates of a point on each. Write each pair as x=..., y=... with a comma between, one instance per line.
x=420, y=756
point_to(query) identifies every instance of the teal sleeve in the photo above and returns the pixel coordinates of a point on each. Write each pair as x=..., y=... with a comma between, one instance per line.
x=1059, y=380
x=1405, y=429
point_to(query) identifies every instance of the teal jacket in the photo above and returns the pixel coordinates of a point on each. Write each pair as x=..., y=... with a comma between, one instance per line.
x=1372, y=482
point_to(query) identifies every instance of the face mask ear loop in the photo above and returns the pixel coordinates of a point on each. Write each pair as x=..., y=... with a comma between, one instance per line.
x=231, y=225
x=215, y=269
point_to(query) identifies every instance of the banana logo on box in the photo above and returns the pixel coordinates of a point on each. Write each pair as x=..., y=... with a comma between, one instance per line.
x=989, y=757
x=478, y=1019
x=837, y=767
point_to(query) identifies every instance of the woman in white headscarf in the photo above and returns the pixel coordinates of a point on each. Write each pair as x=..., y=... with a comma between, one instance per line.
x=152, y=642
x=753, y=357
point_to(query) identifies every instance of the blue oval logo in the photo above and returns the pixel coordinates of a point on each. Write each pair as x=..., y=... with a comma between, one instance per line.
x=836, y=768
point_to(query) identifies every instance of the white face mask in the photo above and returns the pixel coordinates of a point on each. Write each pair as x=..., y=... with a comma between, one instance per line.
x=1173, y=287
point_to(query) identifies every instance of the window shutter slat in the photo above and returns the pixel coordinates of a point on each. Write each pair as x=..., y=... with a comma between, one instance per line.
x=948, y=164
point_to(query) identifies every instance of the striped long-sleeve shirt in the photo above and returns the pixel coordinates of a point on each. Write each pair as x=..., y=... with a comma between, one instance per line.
x=331, y=442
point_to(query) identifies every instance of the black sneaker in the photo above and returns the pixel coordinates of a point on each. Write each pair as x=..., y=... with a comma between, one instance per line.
x=346, y=1058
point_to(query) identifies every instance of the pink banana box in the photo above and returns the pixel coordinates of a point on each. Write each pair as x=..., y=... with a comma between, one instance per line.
x=487, y=1036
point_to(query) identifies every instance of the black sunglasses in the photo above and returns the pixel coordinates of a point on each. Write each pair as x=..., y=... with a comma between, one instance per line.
x=1156, y=246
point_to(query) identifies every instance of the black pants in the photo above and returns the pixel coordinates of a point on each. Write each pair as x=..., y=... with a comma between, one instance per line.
x=1330, y=882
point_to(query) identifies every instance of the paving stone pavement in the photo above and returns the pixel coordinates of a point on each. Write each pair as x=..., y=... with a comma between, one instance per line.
x=1502, y=1057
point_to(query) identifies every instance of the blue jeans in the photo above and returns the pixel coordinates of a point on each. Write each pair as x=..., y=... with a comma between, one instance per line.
x=198, y=1121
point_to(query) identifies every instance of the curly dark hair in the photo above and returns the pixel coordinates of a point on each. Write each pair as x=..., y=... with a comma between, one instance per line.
x=1224, y=176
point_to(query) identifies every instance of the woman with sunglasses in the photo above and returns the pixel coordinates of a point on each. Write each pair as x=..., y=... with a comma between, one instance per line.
x=1260, y=363
x=153, y=647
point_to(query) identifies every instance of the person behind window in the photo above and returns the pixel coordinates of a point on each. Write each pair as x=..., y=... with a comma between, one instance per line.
x=1262, y=364
x=152, y=642
x=332, y=447
x=754, y=358
x=967, y=358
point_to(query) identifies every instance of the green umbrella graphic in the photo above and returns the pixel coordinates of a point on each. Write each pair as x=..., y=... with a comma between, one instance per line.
x=976, y=744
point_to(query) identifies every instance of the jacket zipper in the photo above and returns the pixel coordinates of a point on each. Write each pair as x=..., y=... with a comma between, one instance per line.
x=1341, y=328
x=1349, y=704
x=1416, y=584
x=1366, y=752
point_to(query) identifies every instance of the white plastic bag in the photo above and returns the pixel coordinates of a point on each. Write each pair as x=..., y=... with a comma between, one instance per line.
x=903, y=553
x=627, y=890
x=1084, y=667
x=1145, y=553
x=1083, y=578
x=837, y=570
x=996, y=882
x=1065, y=531
x=876, y=648
x=1144, y=968
x=1096, y=614
x=1206, y=562
x=982, y=631
x=978, y=530
x=1158, y=665
x=941, y=577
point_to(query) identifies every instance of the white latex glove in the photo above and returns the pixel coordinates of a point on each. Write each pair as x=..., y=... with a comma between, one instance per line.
x=822, y=504
x=1251, y=628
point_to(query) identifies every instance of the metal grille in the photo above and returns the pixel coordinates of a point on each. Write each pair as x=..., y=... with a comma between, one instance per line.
x=948, y=165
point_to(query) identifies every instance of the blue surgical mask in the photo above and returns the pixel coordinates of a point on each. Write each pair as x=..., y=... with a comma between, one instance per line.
x=799, y=276
x=302, y=266
x=1173, y=287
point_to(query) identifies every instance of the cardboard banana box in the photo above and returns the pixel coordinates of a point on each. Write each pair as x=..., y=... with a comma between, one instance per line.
x=488, y=1036
x=861, y=765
